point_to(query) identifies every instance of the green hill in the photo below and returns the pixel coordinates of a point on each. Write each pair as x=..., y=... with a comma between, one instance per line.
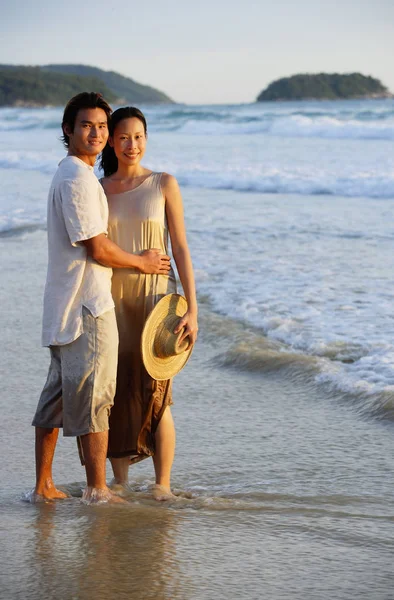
x=125, y=89
x=55, y=84
x=30, y=86
x=324, y=86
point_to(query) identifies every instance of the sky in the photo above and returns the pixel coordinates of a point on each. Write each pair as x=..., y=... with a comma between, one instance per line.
x=207, y=51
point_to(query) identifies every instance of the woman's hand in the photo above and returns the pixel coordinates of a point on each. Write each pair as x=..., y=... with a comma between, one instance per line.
x=189, y=323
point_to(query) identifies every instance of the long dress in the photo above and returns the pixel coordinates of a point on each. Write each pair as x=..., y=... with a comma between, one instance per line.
x=137, y=222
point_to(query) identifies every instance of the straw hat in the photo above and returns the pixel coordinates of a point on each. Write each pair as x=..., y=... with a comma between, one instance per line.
x=162, y=354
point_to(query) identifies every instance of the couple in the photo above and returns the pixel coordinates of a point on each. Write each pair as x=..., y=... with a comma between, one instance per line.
x=97, y=387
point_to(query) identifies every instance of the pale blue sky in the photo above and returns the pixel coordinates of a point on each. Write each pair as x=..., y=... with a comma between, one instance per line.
x=208, y=51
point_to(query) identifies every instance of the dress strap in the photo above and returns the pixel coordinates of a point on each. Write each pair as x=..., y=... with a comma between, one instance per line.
x=157, y=177
x=156, y=182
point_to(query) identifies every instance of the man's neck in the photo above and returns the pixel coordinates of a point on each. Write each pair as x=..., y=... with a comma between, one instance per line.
x=86, y=158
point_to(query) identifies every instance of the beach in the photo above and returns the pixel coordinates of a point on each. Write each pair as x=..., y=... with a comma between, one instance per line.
x=291, y=489
x=284, y=413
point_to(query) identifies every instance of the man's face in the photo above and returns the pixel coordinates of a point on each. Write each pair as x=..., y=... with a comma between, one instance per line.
x=90, y=133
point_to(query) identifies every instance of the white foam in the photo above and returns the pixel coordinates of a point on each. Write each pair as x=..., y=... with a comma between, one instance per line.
x=328, y=120
x=45, y=162
x=282, y=180
x=332, y=128
x=314, y=274
x=18, y=119
x=295, y=126
x=281, y=149
x=288, y=181
x=372, y=374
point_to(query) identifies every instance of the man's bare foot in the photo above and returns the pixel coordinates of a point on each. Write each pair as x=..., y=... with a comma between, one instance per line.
x=162, y=493
x=45, y=492
x=93, y=495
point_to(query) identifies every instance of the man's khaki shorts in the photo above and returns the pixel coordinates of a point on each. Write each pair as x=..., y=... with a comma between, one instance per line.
x=81, y=382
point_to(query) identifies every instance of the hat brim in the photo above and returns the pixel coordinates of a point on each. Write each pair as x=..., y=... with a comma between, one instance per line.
x=163, y=368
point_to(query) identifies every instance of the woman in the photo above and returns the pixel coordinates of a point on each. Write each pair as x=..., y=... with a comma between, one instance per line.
x=143, y=208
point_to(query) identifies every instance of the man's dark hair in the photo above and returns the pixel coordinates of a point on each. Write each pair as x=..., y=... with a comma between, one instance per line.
x=78, y=102
x=109, y=162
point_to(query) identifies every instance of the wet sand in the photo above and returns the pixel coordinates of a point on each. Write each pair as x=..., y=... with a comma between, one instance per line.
x=291, y=488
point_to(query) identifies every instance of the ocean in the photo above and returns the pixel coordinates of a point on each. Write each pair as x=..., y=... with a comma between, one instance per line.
x=285, y=413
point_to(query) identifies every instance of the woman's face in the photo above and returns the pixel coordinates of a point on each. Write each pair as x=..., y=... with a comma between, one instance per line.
x=129, y=141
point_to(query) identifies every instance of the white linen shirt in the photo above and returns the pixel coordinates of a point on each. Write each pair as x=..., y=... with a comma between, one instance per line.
x=77, y=211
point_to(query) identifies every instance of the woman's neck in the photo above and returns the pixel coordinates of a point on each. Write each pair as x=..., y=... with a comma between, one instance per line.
x=126, y=173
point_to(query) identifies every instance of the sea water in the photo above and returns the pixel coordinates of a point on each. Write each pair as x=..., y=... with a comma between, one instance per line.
x=284, y=413
x=304, y=252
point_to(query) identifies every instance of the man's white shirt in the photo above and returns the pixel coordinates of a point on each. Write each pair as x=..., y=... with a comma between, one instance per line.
x=77, y=211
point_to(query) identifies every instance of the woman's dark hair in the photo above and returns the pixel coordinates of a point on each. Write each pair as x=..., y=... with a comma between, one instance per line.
x=109, y=162
x=78, y=102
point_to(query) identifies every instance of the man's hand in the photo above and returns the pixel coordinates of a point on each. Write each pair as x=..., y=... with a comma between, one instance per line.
x=105, y=252
x=153, y=261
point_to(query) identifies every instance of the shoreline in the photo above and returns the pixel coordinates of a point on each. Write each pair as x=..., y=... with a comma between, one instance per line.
x=230, y=349
x=266, y=460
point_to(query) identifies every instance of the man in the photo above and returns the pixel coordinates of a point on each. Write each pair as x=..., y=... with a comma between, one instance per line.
x=79, y=323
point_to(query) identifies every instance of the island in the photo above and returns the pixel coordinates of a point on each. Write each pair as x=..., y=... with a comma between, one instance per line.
x=54, y=85
x=324, y=86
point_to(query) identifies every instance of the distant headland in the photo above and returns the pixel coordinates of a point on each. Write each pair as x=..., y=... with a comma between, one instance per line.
x=54, y=85
x=324, y=86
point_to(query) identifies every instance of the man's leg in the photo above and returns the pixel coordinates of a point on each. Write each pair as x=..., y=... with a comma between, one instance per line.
x=89, y=381
x=45, y=449
x=95, y=447
x=95, y=453
x=47, y=420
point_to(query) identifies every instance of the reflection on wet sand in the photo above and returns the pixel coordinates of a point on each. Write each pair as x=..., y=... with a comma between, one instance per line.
x=104, y=552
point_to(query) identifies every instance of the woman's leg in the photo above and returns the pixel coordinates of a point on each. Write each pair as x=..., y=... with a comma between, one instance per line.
x=120, y=467
x=165, y=449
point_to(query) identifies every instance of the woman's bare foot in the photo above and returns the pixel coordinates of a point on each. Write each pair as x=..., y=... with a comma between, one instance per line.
x=183, y=494
x=93, y=495
x=120, y=488
x=162, y=493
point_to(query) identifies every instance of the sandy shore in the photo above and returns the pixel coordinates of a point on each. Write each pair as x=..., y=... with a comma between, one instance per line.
x=284, y=481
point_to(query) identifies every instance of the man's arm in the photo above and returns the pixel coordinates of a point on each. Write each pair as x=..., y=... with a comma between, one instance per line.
x=107, y=253
x=85, y=225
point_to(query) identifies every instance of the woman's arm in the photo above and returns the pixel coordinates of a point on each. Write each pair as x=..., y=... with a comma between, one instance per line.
x=181, y=254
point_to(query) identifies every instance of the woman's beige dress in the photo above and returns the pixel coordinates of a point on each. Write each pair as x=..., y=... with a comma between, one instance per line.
x=137, y=222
